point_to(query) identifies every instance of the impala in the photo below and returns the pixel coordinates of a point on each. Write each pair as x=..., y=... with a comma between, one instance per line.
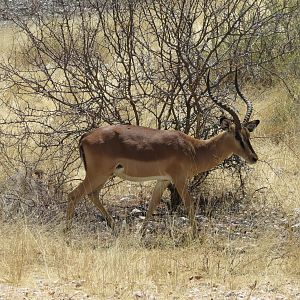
x=140, y=154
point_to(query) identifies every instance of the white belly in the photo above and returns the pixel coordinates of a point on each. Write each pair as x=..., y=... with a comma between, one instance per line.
x=121, y=173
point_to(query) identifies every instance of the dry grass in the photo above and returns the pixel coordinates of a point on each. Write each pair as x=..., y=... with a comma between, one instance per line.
x=124, y=266
x=7, y=39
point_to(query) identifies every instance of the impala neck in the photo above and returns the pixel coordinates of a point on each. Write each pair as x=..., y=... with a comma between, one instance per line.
x=211, y=152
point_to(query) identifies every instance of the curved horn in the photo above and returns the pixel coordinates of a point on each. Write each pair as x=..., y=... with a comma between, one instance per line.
x=248, y=103
x=223, y=105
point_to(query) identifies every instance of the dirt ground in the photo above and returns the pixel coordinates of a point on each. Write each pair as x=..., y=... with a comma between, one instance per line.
x=56, y=290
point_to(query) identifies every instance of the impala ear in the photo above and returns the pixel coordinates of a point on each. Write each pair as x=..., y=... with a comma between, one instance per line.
x=225, y=123
x=252, y=125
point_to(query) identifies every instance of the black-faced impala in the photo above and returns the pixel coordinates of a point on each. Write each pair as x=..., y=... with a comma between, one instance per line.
x=140, y=154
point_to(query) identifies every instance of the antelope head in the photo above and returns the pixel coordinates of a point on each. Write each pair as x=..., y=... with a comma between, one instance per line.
x=238, y=133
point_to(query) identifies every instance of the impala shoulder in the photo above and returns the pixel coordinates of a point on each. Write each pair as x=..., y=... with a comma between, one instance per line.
x=186, y=143
x=190, y=140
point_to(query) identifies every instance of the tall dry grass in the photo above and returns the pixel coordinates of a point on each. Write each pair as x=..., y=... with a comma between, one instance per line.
x=124, y=265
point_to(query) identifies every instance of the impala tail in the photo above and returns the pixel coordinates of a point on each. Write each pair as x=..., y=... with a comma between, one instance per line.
x=81, y=151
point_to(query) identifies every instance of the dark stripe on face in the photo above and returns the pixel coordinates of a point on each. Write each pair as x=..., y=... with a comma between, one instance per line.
x=249, y=145
x=240, y=139
x=243, y=142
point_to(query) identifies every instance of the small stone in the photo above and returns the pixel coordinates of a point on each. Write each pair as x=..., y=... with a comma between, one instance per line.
x=138, y=294
x=126, y=198
x=229, y=294
x=196, y=277
x=184, y=219
x=135, y=211
x=296, y=225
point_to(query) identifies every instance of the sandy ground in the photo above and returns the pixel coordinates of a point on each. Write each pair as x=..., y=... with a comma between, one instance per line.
x=45, y=289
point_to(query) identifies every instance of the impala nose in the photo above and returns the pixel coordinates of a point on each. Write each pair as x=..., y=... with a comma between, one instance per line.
x=254, y=159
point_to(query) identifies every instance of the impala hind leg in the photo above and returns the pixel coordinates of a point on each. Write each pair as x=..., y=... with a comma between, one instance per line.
x=155, y=199
x=94, y=197
x=84, y=188
x=73, y=198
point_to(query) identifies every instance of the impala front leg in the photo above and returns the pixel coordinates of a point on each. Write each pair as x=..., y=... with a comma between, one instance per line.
x=181, y=186
x=155, y=199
